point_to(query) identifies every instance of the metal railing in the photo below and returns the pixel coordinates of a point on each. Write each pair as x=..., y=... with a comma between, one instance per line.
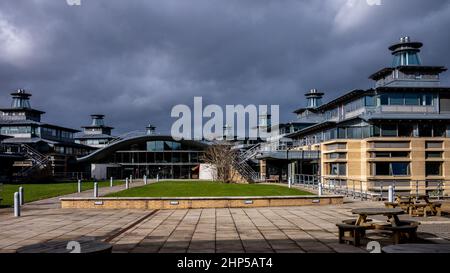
x=374, y=190
x=37, y=159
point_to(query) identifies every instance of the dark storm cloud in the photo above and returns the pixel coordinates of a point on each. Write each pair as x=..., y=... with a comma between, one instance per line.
x=133, y=60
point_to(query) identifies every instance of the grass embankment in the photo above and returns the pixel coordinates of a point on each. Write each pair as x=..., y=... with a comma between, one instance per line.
x=205, y=188
x=35, y=192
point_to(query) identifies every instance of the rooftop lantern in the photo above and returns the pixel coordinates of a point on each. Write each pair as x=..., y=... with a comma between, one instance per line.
x=314, y=98
x=150, y=130
x=406, y=52
x=20, y=99
x=98, y=120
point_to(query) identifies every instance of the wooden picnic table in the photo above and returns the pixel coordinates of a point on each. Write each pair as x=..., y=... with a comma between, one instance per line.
x=390, y=213
x=414, y=206
x=417, y=248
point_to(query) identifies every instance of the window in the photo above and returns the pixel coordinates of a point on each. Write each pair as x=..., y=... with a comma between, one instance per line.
x=433, y=154
x=405, y=130
x=354, y=132
x=433, y=145
x=375, y=130
x=382, y=169
x=425, y=130
x=337, y=156
x=341, y=133
x=439, y=130
x=433, y=168
x=369, y=101
x=336, y=146
x=396, y=99
x=389, y=130
x=338, y=169
x=391, y=168
x=390, y=154
x=391, y=145
x=384, y=99
x=412, y=99
x=427, y=100
x=400, y=168
x=154, y=146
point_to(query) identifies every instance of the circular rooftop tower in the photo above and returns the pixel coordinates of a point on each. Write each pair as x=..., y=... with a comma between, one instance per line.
x=20, y=99
x=406, y=53
x=314, y=98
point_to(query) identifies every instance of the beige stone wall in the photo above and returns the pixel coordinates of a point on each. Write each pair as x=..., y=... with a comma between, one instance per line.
x=148, y=203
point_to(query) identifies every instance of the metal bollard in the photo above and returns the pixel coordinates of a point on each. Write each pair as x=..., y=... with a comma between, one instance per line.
x=320, y=189
x=157, y=178
x=289, y=182
x=95, y=189
x=145, y=180
x=111, y=182
x=79, y=185
x=381, y=192
x=391, y=194
x=127, y=185
x=16, y=205
x=21, y=196
x=131, y=179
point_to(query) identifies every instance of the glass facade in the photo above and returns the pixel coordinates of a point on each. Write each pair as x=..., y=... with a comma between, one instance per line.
x=406, y=99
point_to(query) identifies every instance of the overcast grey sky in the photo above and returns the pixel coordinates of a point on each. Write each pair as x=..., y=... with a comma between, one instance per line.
x=134, y=60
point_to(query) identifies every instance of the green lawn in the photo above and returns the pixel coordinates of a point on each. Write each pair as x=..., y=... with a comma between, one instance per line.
x=35, y=192
x=204, y=188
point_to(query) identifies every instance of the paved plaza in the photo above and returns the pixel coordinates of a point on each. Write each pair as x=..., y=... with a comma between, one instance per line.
x=276, y=229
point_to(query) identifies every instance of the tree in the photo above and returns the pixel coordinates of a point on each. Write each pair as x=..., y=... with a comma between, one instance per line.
x=222, y=157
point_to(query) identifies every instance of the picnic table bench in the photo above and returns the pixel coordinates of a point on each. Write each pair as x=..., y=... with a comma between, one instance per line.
x=353, y=230
x=416, y=205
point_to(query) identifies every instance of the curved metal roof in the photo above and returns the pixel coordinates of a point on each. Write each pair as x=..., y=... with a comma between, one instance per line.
x=117, y=145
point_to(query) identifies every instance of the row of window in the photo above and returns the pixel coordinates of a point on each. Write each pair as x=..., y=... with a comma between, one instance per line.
x=407, y=130
x=155, y=146
x=406, y=99
x=389, y=169
x=156, y=157
x=403, y=169
x=383, y=99
x=428, y=154
x=70, y=150
x=383, y=130
x=12, y=130
x=55, y=133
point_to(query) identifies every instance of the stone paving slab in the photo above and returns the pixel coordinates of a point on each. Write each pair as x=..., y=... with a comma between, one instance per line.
x=254, y=230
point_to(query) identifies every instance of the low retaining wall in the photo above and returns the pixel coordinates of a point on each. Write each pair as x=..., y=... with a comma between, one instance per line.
x=197, y=202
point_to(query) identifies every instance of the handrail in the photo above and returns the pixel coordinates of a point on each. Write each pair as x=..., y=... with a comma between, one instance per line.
x=365, y=189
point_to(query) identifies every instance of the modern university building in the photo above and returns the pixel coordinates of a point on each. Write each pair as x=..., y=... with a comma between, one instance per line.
x=398, y=131
x=30, y=146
